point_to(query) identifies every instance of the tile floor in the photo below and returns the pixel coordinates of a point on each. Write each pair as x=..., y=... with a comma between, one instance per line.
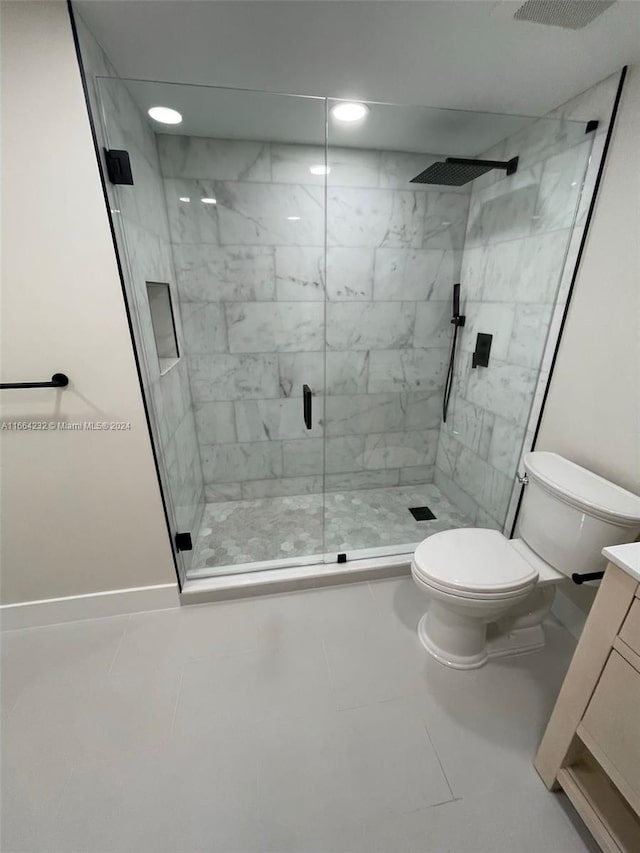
x=301, y=525
x=303, y=723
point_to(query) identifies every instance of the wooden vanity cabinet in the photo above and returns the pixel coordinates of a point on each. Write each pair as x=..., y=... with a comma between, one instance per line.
x=591, y=747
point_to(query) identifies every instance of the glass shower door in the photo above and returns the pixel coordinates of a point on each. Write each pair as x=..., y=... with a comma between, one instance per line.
x=225, y=221
x=400, y=235
x=393, y=255
x=291, y=287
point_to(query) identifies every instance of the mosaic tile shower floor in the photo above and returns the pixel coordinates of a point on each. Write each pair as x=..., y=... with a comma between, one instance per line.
x=236, y=532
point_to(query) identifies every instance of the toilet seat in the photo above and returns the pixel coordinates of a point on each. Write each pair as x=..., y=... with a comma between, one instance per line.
x=472, y=563
x=473, y=595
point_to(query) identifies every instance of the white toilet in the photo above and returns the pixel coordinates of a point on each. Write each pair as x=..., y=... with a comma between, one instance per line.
x=488, y=594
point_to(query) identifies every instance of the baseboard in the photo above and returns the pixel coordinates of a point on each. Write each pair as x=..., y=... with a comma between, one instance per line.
x=50, y=611
x=568, y=614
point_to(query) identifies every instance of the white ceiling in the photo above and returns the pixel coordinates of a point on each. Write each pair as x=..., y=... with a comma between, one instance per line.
x=457, y=54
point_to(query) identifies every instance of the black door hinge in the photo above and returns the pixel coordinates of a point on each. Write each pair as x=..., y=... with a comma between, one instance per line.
x=118, y=166
x=183, y=542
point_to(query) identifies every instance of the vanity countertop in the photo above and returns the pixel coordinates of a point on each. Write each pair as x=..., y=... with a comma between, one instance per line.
x=626, y=557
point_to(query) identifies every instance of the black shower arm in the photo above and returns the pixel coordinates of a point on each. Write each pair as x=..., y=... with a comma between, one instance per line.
x=510, y=166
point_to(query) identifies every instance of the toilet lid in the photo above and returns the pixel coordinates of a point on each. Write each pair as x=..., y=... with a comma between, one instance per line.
x=472, y=560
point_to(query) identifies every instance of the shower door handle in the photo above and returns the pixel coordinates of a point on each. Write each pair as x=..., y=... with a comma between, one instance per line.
x=307, y=405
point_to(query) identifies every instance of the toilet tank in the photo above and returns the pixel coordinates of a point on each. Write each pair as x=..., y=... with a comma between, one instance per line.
x=568, y=514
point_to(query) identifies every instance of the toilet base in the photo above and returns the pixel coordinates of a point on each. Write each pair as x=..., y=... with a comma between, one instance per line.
x=494, y=645
x=517, y=642
x=471, y=660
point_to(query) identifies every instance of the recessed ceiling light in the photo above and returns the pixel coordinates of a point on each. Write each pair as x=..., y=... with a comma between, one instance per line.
x=184, y=198
x=349, y=112
x=208, y=200
x=293, y=218
x=165, y=115
x=320, y=169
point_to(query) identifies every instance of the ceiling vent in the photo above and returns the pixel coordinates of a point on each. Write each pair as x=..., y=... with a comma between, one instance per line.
x=569, y=14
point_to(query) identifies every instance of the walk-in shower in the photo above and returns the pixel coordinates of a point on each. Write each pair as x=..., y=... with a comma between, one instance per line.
x=302, y=283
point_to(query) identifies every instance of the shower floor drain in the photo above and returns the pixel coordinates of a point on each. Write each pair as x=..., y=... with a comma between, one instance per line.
x=421, y=513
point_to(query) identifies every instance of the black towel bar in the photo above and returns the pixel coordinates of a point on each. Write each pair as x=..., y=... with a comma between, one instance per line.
x=58, y=380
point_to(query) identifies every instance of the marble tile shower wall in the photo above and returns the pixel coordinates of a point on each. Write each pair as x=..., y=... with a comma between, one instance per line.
x=521, y=244
x=142, y=227
x=252, y=285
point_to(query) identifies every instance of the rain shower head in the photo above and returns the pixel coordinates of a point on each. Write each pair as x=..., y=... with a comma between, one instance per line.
x=456, y=171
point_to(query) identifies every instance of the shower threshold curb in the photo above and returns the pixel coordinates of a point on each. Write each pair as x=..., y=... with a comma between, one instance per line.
x=291, y=579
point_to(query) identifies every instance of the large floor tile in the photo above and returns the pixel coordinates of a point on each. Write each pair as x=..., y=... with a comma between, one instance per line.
x=389, y=760
x=373, y=664
x=239, y=691
x=33, y=782
x=400, y=601
x=94, y=717
x=305, y=800
x=216, y=807
x=309, y=722
x=493, y=717
x=192, y=800
x=121, y=805
x=38, y=656
x=521, y=820
x=330, y=781
x=291, y=617
x=385, y=833
x=169, y=638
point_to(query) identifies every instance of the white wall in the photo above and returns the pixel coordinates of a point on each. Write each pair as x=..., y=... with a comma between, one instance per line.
x=81, y=511
x=592, y=414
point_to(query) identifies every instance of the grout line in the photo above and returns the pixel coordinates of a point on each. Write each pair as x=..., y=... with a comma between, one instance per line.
x=69, y=622
x=446, y=802
x=404, y=694
x=118, y=647
x=175, y=707
x=326, y=660
x=371, y=592
x=446, y=778
x=461, y=249
x=433, y=806
x=63, y=790
x=253, y=649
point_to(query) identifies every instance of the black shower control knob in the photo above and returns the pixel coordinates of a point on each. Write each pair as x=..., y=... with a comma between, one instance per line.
x=480, y=357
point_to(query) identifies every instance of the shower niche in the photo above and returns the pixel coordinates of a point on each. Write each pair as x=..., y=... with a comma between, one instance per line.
x=306, y=253
x=163, y=322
